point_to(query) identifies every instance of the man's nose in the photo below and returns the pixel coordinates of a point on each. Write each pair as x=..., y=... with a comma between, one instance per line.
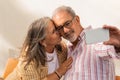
x=65, y=30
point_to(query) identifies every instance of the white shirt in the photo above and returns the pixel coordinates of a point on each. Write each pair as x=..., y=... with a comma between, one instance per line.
x=52, y=61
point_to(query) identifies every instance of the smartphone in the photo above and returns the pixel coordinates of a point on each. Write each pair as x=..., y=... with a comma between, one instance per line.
x=96, y=35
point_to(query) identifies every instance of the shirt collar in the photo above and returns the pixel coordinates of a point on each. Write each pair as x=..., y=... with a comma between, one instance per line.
x=82, y=34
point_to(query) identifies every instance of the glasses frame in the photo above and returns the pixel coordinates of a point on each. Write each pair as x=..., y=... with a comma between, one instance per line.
x=59, y=28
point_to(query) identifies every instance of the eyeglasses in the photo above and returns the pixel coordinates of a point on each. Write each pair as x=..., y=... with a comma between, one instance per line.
x=67, y=24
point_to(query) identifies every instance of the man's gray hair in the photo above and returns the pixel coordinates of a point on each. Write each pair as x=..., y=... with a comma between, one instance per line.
x=64, y=8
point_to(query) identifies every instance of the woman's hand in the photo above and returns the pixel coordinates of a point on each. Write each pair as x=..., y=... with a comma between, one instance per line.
x=60, y=71
x=65, y=66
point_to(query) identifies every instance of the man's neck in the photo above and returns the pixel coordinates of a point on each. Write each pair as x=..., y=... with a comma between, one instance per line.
x=75, y=43
x=77, y=40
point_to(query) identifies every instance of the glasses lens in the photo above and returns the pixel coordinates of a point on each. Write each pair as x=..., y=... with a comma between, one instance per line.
x=67, y=24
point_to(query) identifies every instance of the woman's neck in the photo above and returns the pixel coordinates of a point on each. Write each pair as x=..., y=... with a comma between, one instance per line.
x=49, y=49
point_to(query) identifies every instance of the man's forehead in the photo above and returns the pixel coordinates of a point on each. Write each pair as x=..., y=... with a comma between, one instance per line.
x=60, y=18
x=61, y=14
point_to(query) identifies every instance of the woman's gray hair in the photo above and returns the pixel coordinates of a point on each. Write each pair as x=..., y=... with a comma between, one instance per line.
x=64, y=8
x=39, y=26
x=32, y=46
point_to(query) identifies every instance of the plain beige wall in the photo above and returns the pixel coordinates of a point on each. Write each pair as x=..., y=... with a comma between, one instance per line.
x=13, y=27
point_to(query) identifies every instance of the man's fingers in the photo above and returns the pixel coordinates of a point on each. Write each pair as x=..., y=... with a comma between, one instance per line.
x=107, y=43
x=110, y=27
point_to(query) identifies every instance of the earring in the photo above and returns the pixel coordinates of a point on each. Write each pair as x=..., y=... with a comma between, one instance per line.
x=44, y=45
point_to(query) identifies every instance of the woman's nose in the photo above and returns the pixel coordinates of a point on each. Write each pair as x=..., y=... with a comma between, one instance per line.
x=58, y=33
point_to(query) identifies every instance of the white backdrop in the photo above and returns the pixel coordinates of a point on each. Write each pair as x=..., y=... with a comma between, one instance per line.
x=16, y=15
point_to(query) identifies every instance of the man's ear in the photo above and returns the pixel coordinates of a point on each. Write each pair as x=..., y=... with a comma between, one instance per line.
x=77, y=18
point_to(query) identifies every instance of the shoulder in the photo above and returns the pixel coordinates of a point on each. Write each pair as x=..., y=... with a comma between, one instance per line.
x=22, y=66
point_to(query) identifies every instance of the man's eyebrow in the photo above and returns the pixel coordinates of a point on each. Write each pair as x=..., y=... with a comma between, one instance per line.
x=65, y=22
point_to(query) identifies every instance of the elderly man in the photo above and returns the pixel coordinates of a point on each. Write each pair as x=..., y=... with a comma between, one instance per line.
x=90, y=62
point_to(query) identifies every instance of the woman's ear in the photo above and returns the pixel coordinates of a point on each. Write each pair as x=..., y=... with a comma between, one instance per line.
x=43, y=43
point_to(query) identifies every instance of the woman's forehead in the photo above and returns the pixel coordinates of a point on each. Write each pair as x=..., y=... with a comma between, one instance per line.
x=50, y=26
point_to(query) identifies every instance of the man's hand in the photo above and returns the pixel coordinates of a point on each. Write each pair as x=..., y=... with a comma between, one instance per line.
x=114, y=36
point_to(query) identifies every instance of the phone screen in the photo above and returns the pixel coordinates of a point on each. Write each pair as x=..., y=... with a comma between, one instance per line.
x=96, y=35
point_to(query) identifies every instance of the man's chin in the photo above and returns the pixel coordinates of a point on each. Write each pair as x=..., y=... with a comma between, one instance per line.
x=71, y=40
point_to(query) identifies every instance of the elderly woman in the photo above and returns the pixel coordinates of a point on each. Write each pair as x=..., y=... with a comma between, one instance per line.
x=43, y=54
